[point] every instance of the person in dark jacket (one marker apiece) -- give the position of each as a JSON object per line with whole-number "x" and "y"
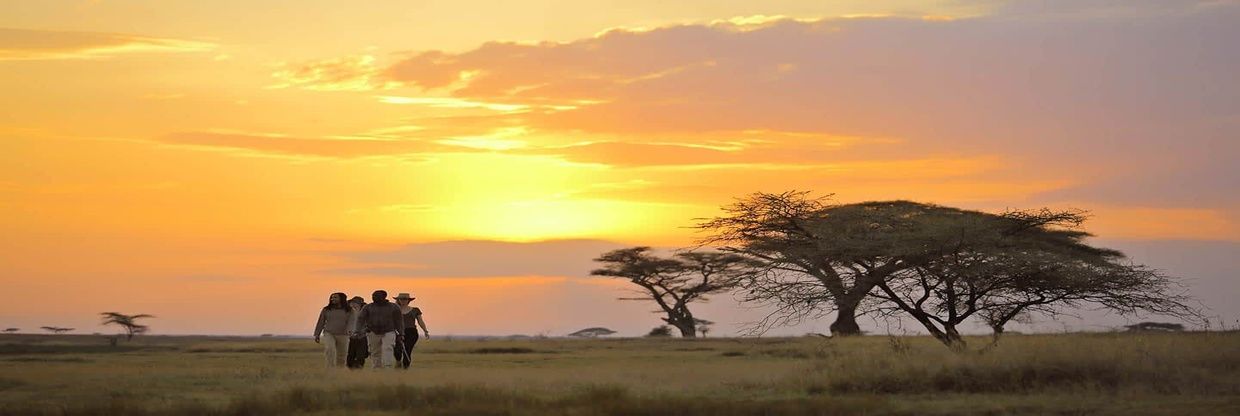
{"x": 333, "y": 325}
{"x": 380, "y": 322}
{"x": 411, "y": 317}
{"x": 357, "y": 338}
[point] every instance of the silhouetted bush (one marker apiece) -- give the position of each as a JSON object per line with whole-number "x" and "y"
{"x": 661, "y": 331}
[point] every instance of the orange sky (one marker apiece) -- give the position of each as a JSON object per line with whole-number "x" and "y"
{"x": 179, "y": 157}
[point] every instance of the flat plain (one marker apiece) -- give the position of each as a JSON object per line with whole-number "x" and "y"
{"x": 1069, "y": 374}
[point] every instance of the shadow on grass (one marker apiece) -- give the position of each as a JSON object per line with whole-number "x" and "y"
{"x": 472, "y": 400}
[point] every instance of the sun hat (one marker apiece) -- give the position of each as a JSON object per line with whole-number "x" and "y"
{"x": 403, "y": 296}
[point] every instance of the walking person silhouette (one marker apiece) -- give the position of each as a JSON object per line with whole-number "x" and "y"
{"x": 381, "y": 321}
{"x": 411, "y": 318}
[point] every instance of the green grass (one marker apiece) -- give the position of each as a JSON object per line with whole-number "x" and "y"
{"x": 1171, "y": 374}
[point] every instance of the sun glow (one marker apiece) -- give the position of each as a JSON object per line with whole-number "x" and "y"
{"x": 511, "y": 198}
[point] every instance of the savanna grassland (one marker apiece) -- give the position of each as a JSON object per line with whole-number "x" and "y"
{"x": 1113, "y": 374}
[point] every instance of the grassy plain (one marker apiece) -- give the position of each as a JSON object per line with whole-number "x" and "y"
{"x": 1112, "y": 374}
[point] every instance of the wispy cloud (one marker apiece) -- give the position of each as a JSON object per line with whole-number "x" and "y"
{"x": 478, "y": 258}
{"x": 285, "y": 145}
{"x": 349, "y": 73}
{"x": 449, "y": 102}
{"x": 25, "y": 44}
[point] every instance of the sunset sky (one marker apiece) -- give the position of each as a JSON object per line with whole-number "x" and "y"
{"x": 225, "y": 165}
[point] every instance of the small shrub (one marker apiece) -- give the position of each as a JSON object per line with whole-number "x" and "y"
{"x": 786, "y": 353}
{"x": 899, "y": 345}
{"x": 694, "y": 349}
{"x": 600, "y": 393}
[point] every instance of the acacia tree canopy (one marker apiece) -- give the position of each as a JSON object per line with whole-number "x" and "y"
{"x": 128, "y": 322}
{"x": 594, "y": 332}
{"x": 55, "y": 329}
{"x": 821, "y": 257}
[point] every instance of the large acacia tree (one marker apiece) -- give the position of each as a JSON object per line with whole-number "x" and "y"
{"x": 677, "y": 281}
{"x": 819, "y": 257}
{"x": 921, "y": 259}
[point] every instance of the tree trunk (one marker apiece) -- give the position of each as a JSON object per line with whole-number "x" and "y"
{"x": 951, "y": 338}
{"x": 845, "y": 319}
{"x": 687, "y": 329}
{"x": 994, "y": 337}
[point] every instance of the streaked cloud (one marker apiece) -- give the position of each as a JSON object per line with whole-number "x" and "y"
{"x": 26, "y": 44}
{"x": 279, "y": 144}
{"x": 479, "y": 258}
{"x": 792, "y": 150}
{"x": 1169, "y": 223}
{"x": 448, "y": 102}
{"x": 714, "y": 148}
{"x": 349, "y": 73}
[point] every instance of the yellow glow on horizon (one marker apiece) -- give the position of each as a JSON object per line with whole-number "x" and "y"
{"x": 510, "y": 198}
{"x": 539, "y": 220}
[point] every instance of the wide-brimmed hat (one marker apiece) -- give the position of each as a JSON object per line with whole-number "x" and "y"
{"x": 403, "y": 296}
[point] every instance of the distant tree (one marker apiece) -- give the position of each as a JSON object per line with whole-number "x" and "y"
{"x": 592, "y": 332}
{"x": 127, "y": 322}
{"x": 55, "y": 329}
{"x": 703, "y": 327}
{"x": 12, "y": 329}
{"x": 997, "y": 317}
{"x": 661, "y": 331}
{"x": 674, "y": 283}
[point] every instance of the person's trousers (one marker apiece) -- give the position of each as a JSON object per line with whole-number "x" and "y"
{"x": 381, "y": 354}
{"x": 335, "y": 349}
{"x": 411, "y": 339}
{"x": 357, "y": 352}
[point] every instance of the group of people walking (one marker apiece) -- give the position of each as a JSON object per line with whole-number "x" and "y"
{"x": 352, "y": 330}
